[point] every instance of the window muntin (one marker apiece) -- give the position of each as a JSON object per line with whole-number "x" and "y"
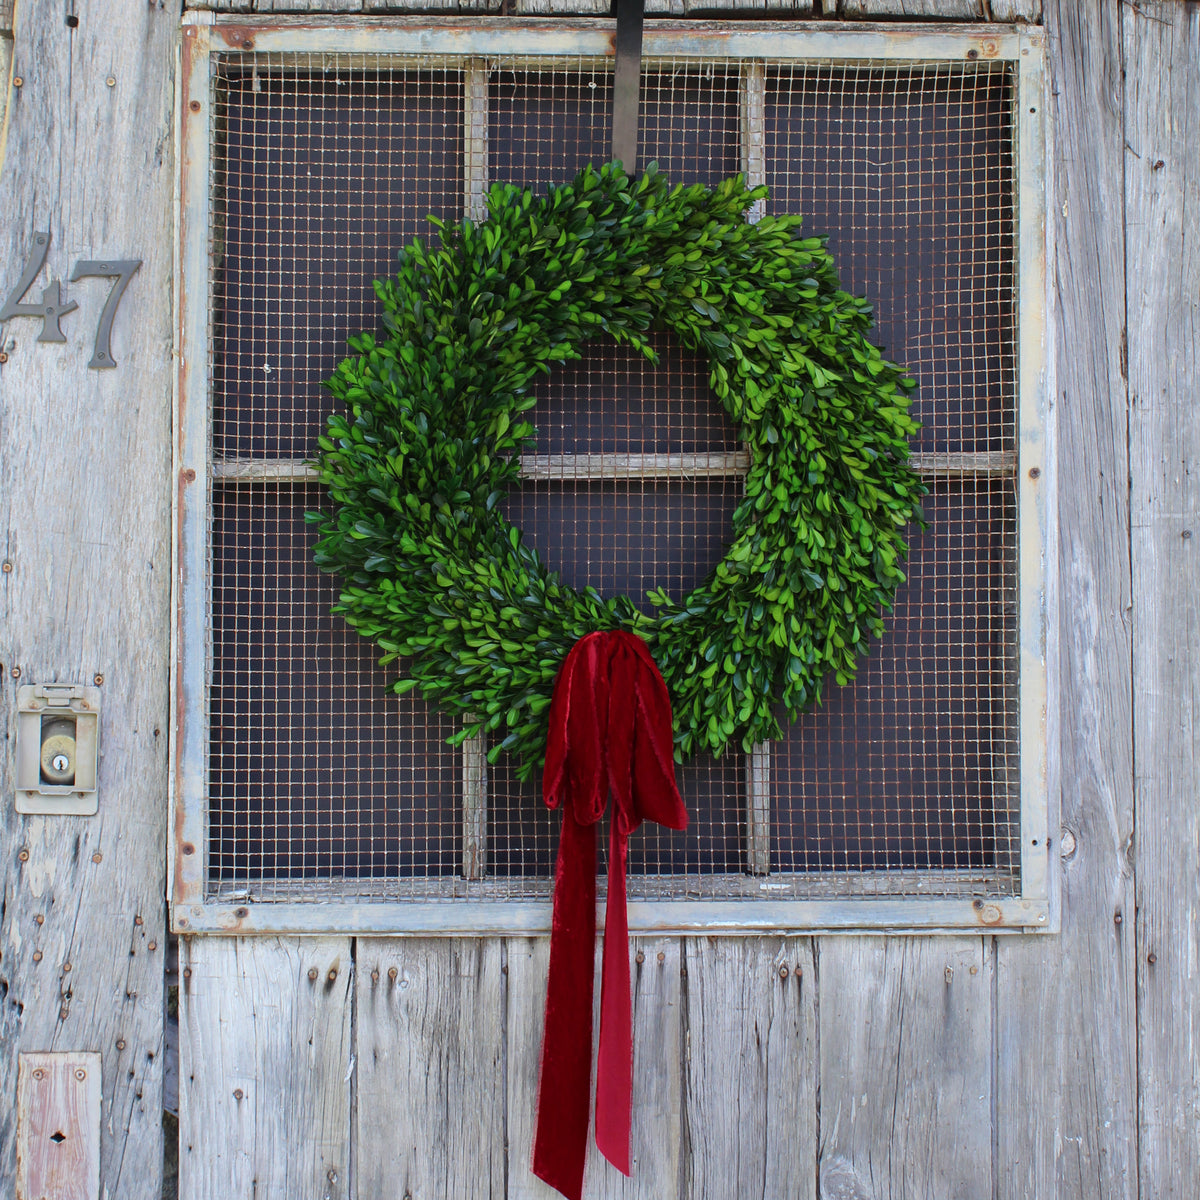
{"x": 907, "y": 782}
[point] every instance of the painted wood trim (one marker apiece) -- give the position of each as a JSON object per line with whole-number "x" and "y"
{"x": 1035, "y": 473}
{"x": 663, "y": 40}
{"x": 528, "y": 918}
{"x": 189, "y": 747}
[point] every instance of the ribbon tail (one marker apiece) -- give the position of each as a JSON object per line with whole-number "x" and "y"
{"x": 614, "y": 1059}
{"x": 560, "y": 1144}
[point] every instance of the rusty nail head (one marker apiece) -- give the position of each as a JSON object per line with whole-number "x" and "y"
{"x": 1152, "y": 958}
{"x": 152, "y": 946}
{"x": 137, "y": 920}
{"x": 1034, "y": 472}
{"x": 38, "y": 1073}
{"x": 241, "y": 912}
{"x": 783, "y": 971}
{"x": 16, "y": 672}
{"x": 640, "y": 957}
{"x": 238, "y": 1093}
{"x": 80, "y": 1074}
{"x": 23, "y": 854}
{"x": 183, "y": 924}
{"x": 4, "y": 359}
{"x": 66, "y": 966}
{"x": 37, "y": 956}
{"x": 972, "y": 53}
{"x": 188, "y": 848}
{"x": 332, "y": 974}
{"x": 248, "y": 44}
{"x": 98, "y": 680}
{"x": 39, "y": 919}
{"x": 374, "y": 976}
{"x": 18, "y": 81}
{"x": 7, "y": 564}
{"x": 1187, "y": 533}
{"x": 187, "y": 971}
{"x": 1117, "y": 917}
{"x": 120, "y": 1043}
{"x": 312, "y": 974}
{"x": 392, "y": 973}
{"x": 194, "y": 106}
{"x": 662, "y": 956}
{"x": 111, "y": 81}
{"x": 97, "y": 857}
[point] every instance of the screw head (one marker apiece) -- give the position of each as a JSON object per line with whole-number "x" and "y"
{"x": 18, "y": 81}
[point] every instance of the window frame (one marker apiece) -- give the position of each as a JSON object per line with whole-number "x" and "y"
{"x": 193, "y": 910}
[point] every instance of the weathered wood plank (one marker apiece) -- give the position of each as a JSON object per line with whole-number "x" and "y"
{"x": 1065, "y": 1069}
{"x": 429, "y": 1049}
{"x": 264, "y": 1101}
{"x": 1162, "y": 198}
{"x": 906, "y": 1050}
{"x": 58, "y": 1126}
{"x": 940, "y": 10}
{"x": 300, "y": 6}
{"x": 1027, "y": 11}
{"x": 714, "y": 463}
{"x": 85, "y": 539}
{"x": 657, "y": 1129}
{"x": 750, "y": 1069}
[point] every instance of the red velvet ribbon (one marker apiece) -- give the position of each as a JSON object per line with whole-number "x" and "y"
{"x": 610, "y": 732}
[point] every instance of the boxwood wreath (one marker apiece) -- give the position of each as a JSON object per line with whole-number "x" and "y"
{"x": 428, "y": 444}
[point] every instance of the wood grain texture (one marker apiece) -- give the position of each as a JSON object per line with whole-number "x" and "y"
{"x": 300, "y": 6}
{"x": 1162, "y": 197}
{"x": 58, "y": 1126}
{"x": 85, "y": 525}
{"x": 1026, "y": 11}
{"x": 938, "y": 10}
{"x": 1066, "y": 1056}
{"x": 265, "y": 1068}
{"x": 657, "y": 1118}
{"x": 750, "y": 1069}
{"x": 430, "y": 1060}
{"x": 905, "y": 1061}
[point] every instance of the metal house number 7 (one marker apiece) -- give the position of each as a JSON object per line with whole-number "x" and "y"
{"x": 53, "y": 307}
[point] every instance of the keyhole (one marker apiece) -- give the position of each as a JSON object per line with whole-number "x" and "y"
{"x": 58, "y": 1138}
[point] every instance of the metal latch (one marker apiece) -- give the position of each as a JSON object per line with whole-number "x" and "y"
{"x": 58, "y": 727}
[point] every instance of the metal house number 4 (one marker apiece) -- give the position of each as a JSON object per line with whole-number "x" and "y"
{"x": 53, "y": 307}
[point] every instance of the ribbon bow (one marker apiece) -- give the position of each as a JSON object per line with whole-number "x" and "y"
{"x": 610, "y": 732}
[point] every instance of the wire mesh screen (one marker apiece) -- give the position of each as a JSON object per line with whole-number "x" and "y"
{"x": 324, "y": 783}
